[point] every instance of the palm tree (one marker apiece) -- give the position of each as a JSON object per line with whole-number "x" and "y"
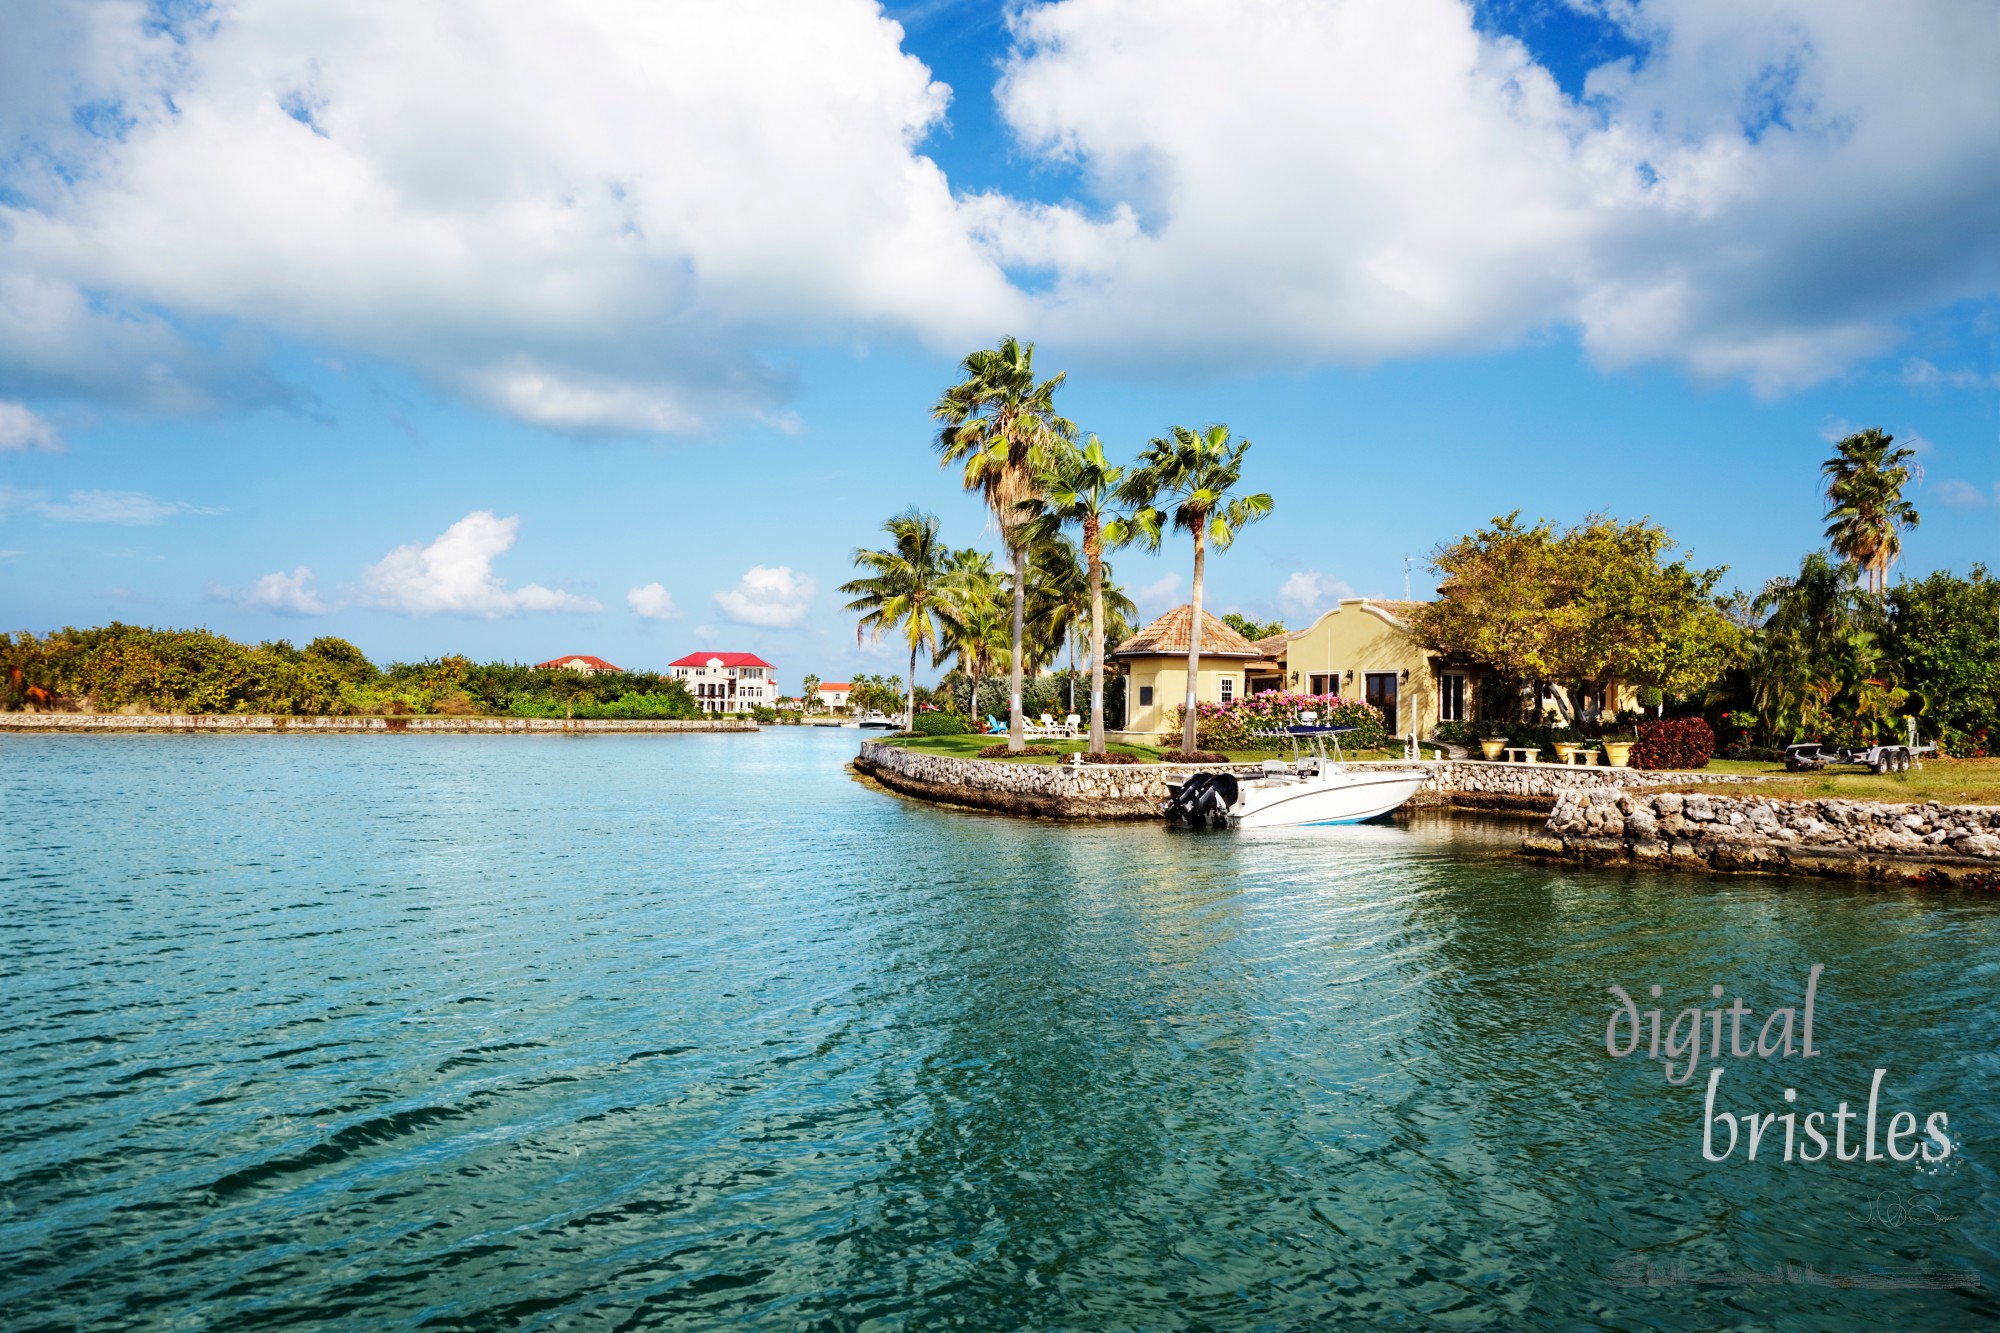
{"x": 1080, "y": 490}
{"x": 1192, "y": 472}
{"x": 1865, "y": 504}
{"x": 975, "y": 623}
{"x": 903, "y": 587}
{"x": 1003, "y": 427}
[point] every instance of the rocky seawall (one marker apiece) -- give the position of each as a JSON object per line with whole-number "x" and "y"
{"x": 264, "y": 724}
{"x": 1929, "y": 843}
{"x": 1136, "y": 791}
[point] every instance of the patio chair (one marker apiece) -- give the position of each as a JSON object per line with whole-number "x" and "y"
{"x": 994, "y": 726}
{"x": 1072, "y": 725}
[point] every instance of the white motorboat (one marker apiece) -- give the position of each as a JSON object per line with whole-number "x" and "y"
{"x": 1310, "y": 788}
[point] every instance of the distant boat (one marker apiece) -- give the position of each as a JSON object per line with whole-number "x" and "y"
{"x": 874, "y": 721}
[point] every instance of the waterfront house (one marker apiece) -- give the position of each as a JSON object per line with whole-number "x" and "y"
{"x": 834, "y": 694}
{"x": 727, "y": 682}
{"x": 1154, "y": 664}
{"x": 582, "y": 663}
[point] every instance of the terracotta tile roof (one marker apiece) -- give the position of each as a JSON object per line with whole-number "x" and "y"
{"x": 1169, "y": 634}
{"x": 1401, "y": 610}
{"x": 593, "y": 663}
{"x": 1273, "y": 645}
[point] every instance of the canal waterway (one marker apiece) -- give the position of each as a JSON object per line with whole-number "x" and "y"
{"x": 626, "y": 1032}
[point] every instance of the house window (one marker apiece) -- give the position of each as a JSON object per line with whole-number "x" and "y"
{"x": 1325, "y": 684}
{"x": 1228, "y": 688}
{"x": 1145, "y": 696}
{"x": 1451, "y": 698}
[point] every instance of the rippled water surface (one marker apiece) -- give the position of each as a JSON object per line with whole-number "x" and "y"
{"x": 633, "y": 1031}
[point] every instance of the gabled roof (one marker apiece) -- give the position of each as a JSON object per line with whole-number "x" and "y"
{"x": 720, "y": 659}
{"x": 1169, "y": 635}
{"x": 594, "y": 663}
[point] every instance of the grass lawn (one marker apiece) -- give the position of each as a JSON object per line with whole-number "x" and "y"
{"x": 968, "y": 747}
{"x": 1953, "y": 781}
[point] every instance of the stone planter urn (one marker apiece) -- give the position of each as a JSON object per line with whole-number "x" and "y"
{"x": 1492, "y": 749}
{"x": 1618, "y": 754}
{"x": 1566, "y": 751}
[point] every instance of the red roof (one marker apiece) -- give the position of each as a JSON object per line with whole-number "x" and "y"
{"x": 725, "y": 659}
{"x": 835, "y": 685}
{"x": 595, "y": 663}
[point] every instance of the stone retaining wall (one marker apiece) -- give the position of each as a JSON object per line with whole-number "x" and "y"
{"x": 240, "y": 723}
{"x": 1136, "y": 791}
{"x": 1929, "y": 843}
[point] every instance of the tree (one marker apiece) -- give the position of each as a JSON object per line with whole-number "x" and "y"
{"x": 1193, "y": 473}
{"x": 1080, "y": 490}
{"x": 975, "y": 626}
{"x": 903, "y": 587}
{"x": 1819, "y": 669}
{"x": 1002, "y": 426}
{"x": 1944, "y": 632}
{"x": 1577, "y": 607}
{"x": 808, "y": 693}
{"x": 1251, "y": 629}
{"x": 1866, "y": 510}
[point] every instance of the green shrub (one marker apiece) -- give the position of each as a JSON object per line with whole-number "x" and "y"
{"x": 944, "y": 723}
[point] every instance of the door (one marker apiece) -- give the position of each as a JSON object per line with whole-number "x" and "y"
{"x": 1382, "y": 694}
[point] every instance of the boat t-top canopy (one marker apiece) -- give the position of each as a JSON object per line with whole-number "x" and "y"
{"x": 1318, "y": 731}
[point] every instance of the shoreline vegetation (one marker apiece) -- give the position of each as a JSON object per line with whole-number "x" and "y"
{"x": 137, "y": 670}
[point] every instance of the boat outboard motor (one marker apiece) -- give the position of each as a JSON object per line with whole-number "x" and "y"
{"x": 1203, "y": 801}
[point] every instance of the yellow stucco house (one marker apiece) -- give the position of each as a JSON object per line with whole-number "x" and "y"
{"x": 1154, "y": 664}
{"x": 1361, "y": 648}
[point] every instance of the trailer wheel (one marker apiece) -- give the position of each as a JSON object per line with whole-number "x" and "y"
{"x": 1902, "y": 759}
{"x": 1882, "y": 762}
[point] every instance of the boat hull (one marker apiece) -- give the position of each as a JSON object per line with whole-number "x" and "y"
{"x": 1346, "y": 798}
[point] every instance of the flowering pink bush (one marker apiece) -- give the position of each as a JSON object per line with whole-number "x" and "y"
{"x": 1233, "y": 726}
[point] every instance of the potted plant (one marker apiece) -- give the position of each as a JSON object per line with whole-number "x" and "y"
{"x": 1491, "y": 748}
{"x": 1618, "y": 750}
{"x": 1566, "y": 751}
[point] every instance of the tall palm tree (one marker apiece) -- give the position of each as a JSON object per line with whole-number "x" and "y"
{"x": 902, "y": 586}
{"x": 1865, "y": 505}
{"x": 975, "y": 621}
{"x": 1080, "y": 490}
{"x": 1003, "y": 427}
{"x": 1188, "y": 478}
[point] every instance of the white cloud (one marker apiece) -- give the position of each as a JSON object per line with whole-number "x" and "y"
{"x": 23, "y": 429}
{"x": 454, "y": 575}
{"x": 1921, "y": 374}
{"x": 653, "y": 602}
{"x": 1161, "y": 592}
{"x": 1964, "y": 495}
{"x": 289, "y": 594}
{"x": 771, "y": 596}
{"x": 1308, "y": 591}
{"x": 590, "y": 216}
{"x": 130, "y": 508}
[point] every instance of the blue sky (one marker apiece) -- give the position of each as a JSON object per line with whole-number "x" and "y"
{"x": 305, "y": 328}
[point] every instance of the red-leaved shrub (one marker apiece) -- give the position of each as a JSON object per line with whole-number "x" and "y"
{"x": 1676, "y": 742}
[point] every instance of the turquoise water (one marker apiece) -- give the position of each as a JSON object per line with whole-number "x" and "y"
{"x": 685, "y": 1032}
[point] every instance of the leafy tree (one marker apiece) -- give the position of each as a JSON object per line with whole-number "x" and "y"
{"x": 1002, "y": 426}
{"x": 975, "y": 628}
{"x": 1944, "y": 632}
{"x": 809, "y": 693}
{"x": 1080, "y": 490}
{"x": 1578, "y": 606}
{"x": 1251, "y": 629}
{"x": 904, "y": 585}
{"x": 342, "y": 658}
{"x": 1191, "y": 474}
{"x": 1866, "y": 511}
{"x": 1819, "y": 670}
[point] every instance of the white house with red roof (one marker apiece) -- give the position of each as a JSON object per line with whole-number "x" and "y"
{"x": 581, "y": 662}
{"x": 727, "y": 682}
{"x": 834, "y": 693}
